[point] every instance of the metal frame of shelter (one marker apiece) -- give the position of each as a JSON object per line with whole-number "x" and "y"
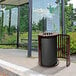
{"x": 18, "y": 3}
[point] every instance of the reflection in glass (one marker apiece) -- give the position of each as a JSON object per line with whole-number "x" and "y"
{"x": 49, "y": 11}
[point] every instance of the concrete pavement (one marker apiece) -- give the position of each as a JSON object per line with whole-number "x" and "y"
{"x": 16, "y": 61}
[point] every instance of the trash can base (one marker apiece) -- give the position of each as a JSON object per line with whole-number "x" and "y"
{"x": 53, "y": 65}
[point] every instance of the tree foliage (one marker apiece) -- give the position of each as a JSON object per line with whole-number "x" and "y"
{"x": 34, "y": 26}
{"x": 68, "y": 17}
{"x": 41, "y": 24}
{"x": 66, "y": 1}
{"x": 24, "y": 18}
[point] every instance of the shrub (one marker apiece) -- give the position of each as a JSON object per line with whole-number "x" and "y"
{"x": 72, "y": 42}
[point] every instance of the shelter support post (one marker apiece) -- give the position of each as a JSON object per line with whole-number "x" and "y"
{"x": 18, "y": 25}
{"x": 63, "y": 20}
{"x": 9, "y": 32}
{"x": 30, "y": 29}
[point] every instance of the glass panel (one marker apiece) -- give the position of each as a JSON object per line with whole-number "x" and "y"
{"x": 49, "y": 11}
{"x": 23, "y": 37}
{"x": 8, "y": 26}
{"x": 0, "y": 26}
{"x": 46, "y": 18}
{"x": 14, "y": 16}
{"x": 8, "y": 29}
{"x": 53, "y": 17}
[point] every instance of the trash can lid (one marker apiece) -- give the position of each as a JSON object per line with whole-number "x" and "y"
{"x": 45, "y": 34}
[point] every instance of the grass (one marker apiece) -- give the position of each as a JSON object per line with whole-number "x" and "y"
{"x": 25, "y": 35}
{"x": 7, "y": 47}
{"x": 12, "y": 39}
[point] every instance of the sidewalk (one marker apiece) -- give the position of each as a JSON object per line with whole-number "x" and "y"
{"x": 16, "y": 61}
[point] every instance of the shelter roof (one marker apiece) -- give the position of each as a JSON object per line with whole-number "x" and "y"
{"x": 13, "y": 2}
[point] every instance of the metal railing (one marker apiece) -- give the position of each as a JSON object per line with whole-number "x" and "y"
{"x": 34, "y": 43}
{"x": 63, "y": 47}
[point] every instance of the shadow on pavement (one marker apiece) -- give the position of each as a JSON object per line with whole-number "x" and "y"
{"x": 48, "y": 71}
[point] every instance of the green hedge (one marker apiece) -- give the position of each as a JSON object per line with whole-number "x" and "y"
{"x": 72, "y": 42}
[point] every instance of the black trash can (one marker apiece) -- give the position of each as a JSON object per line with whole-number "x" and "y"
{"x": 47, "y": 49}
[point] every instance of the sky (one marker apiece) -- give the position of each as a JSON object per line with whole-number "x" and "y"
{"x": 13, "y": 17}
{"x": 40, "y": 9}
{"x": 73, "y": 2}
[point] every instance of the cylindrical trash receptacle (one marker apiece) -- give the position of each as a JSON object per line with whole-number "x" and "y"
{"x": 47, "y": 49}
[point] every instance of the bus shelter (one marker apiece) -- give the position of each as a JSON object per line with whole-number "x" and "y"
{"x": 19, "y": 3}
